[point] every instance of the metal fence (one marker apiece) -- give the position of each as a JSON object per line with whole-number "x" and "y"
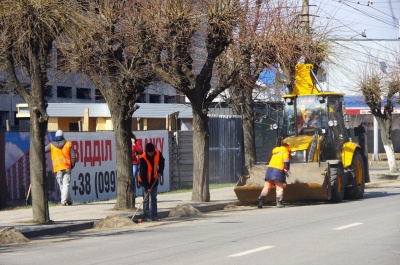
{"x": 225, "y": 152}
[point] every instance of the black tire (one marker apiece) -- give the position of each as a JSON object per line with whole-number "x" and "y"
{"x": 337, "y": 185}
{"x": 356, "y": 177}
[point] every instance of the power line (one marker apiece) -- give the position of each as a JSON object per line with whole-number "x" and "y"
{"x": 367, "y": 13}
{"x": 382, "y": 12}
{"x": 347, "y": 11}
{"x": 348, "y": 21}
{"x": 373, "y": 16}
{"x": 374, "y": 2}
{"x": 367, "y": 53}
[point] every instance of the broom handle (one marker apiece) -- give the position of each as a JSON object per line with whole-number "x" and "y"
{"x": 143, "y": 201}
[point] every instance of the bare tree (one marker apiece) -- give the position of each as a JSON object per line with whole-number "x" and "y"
{"x": 255, "y": 48}
{"x": 189, "y": 35}
{"x": 379, "y": 91}
{"x": 269, "y": 36}
{"x": 28, "y": 29}
{"x": 114, "y": 55}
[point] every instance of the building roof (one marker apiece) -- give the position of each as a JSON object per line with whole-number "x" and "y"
{"x": 357, "y": 105}
{"x": 359, "y": 102}
{"x": 146, "y": 110}
{"x": 160, "y": 110}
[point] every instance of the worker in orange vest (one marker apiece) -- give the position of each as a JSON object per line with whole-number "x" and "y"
{"x": 276, "y": 174}
{"x": 63, "y": 159}
{"x": 151, "y": 168}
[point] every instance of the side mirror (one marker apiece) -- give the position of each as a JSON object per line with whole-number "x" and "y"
{"x": 289, "y": 101}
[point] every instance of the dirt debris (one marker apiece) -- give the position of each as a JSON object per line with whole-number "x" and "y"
{"x": 12, "y": 236}
{"x": 185, "y": 210}
{"x": 233, "y": 207}
{"x": 113, "y": 221}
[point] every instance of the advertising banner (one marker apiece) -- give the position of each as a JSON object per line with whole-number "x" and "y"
{"x": 94, "y": 176}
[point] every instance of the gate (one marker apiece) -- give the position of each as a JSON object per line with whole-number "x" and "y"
{"x": 225, "y": 152}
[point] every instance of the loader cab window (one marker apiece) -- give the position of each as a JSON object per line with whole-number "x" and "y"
{"x": 306, "y": 115}
{"x": 288, "y": 121}
{"x": 311, "y": 115}
{"x": 336, "y": 114}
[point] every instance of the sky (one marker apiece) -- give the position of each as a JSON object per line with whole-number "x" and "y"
{"x": 350, "y": 18}
{"x": 365, "y": 34}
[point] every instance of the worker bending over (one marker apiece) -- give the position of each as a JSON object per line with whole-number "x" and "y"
{"x": 278, "y": 166}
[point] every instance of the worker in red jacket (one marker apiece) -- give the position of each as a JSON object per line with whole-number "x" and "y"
{"x": 137, "y": 150}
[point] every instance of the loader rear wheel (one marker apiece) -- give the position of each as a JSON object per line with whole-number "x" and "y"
{"x": 357, "y": 178}
{"x": 337, "y": 186}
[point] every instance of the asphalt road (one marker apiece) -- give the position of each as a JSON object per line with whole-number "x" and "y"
{"x": 364, "y": 232}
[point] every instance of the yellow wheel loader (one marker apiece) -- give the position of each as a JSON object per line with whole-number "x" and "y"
{"x": 325, "y": 164}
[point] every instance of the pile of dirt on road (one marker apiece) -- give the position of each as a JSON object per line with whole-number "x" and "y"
{"x": 114, "y": 221}
{"x": 11, "y": 236}
{"x": 185, "y": 210}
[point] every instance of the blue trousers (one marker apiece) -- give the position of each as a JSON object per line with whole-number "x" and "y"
{"x": 135, "y": 169}
{"x": 150, "y": 213}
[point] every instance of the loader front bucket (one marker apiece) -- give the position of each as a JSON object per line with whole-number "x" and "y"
{"x": 306, "y": 182}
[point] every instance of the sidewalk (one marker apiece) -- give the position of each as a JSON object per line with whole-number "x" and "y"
{"x": 82, "y": 216}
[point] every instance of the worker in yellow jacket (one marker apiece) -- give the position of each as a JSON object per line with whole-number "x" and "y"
{"x": 278, "y": 166}
{"x": 63, "y": 158}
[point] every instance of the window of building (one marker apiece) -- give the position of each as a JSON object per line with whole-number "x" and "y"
{"x": 16, "y": 120}
{"x": 98, "y": 96}
{"x": 74, "y": 127}
{"x": 64, "y": 92}
{"x": 155, "y": 98}
{"x": 3, "y": 118}
{"x": 83, "y": 93}
{"x": 169, "y": 99}
{"x": 142, "y": 99}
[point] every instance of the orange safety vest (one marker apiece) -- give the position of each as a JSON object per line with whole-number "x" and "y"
{"x": 61, "y": 158}
{"x": 280, "y": 155}
{"x": 149, "y": 168}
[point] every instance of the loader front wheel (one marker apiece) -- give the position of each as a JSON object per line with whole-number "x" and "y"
{"x": 337, "y": 186}
{"x": 357, "y": 178}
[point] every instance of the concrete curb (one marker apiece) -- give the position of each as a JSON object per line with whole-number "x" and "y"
{"x": 58, "y": 228}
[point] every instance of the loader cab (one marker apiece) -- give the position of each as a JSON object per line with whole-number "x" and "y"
{"x": 302, "y": 115}
{"x": 321, "y": 113}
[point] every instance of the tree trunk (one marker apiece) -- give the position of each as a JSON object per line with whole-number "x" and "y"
{"x": 385, "y": 126}
{"x": 201, "y": 190}
{"x": 122, "y": 131}
{"x": 38, "y": 128}
{"x": 248, "y": 131}
{"x": 37, "y": 168}
{"x": 243, "y": 104}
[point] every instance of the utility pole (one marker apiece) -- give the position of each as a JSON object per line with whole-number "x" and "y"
{"x": 305, "y": 16}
